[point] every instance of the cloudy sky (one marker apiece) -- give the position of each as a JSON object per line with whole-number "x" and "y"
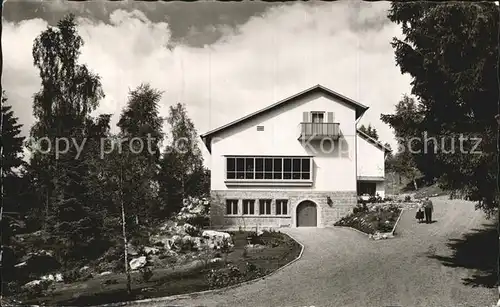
{"x": 223, "y": 60}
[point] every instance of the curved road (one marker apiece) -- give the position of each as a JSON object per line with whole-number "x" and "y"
{"x": 341, "y": 267}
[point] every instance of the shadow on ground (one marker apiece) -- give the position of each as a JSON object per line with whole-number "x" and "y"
{"x": 477, "y": 251}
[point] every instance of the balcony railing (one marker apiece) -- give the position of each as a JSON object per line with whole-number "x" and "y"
{"x": 317, "y": 131}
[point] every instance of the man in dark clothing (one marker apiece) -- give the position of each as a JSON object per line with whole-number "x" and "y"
{"x": 428, "y": 208}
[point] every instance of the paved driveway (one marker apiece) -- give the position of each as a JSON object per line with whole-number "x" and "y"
{"x": 341, "y": 267}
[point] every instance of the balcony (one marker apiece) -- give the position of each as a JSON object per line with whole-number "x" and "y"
{"x": 319, "y": 131}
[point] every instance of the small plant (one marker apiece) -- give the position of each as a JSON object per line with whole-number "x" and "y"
{"x": 146, "y": 273}
{"x": 407, "y": 198}
{"x": 226, "y": 276}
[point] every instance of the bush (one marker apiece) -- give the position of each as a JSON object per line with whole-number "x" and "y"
{"x": 37, "y": 290}
{"x": 146, "y": 273}
{"x": 360, "y": 208}
{"x": 218, "y": 278}
{"x": 254, "y": 238}
{"x": 187, "y": 246}
{"x": 407, "y": 198}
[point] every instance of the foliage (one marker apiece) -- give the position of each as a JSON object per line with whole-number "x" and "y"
{"x": 229, "y": 275}
{"x": 358, "y": 208}
{"x": 194, "y": 211}
{"x": 146, "y": 273}
{"x": 182, "y": 172}
{"x": 457, "y": 91}
{"x": 13, "y": 194}
{"x": 381, "y": 219}
{"x": 370, "y": 131}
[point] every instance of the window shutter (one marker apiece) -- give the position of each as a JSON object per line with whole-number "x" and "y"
{"x": 305, "y": 117}
{"x": 331, "y": 117}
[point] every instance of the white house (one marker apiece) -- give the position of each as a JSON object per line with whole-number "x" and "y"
{"x": 298, "y": 162}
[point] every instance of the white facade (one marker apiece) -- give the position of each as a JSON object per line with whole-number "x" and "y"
{"x": 332, "y": 171}
{"x": 370, "y": 158}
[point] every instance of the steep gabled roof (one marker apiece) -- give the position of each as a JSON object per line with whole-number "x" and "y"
{"x": 373, "y": 141}
{"x": 360, "y": 109}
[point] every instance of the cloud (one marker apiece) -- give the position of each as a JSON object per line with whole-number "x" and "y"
{"x": 343, "y": 45}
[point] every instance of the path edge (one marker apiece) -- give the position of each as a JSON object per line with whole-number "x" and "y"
{"x": 213, "y": 291}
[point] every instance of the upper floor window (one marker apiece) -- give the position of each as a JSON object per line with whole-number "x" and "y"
{"x": 269, "y": 168}
{"x": 317, "y": 117}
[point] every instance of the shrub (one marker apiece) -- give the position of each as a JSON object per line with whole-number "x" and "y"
{"x": 39, "y": 289}
{"x": 407, "y": 198}
{"x": 187, "y": 246}
{"x": 146, "y": 273}
{"x": 254, "y": 238}
{"x": 229, "y": 275}
{"x": 71, "y": 275}
{"x": 360, "y": 208}
{"x": 194, "y": 211}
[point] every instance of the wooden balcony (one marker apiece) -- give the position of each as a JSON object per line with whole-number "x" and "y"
{"x": 319, "y": 131}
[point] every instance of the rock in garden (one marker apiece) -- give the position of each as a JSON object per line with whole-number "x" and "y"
{"x": 214, "y": 260}
{"x": 151, "y": 250}
{"x": 105, "y": 273}
{"x": 215, "y": 234}
{"x": 84, "y": 268}
{"x": 138, "y": 263}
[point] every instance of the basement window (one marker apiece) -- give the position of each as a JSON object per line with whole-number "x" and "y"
{"x": 260, "y": 128}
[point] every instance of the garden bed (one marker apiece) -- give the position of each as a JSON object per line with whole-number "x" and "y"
{"x": 268, "y": 252}
{"x": 372, "y": 219}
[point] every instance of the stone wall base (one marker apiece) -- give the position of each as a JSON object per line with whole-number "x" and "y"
{"x": 328, "y": 211}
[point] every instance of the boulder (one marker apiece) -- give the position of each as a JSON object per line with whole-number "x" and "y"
{"x": 151, "y": 250}
{"x": 51, "y": 277}
{"x": 214, "y": 260}
{"x": 105, "y": 273}
{"x": 212, "y": 234}
{"x": 132, "y": 251}
{"x": 84, "y": 268}
{"x": 138, "y": 263}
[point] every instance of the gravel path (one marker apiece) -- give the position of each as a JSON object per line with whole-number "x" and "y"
{"x": 341, "y": 267}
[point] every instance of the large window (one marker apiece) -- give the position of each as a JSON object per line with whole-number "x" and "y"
{"x": 231, "y": 206}
{"x": 269, "y": 168}
{"x": 281, "y": 207}
{"x": 264, "y": 206}
{"x": 248, "y": 206}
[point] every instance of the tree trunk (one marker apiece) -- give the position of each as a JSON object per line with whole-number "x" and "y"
{"x": 124, "y": 234}
{"x": 415, "y": 184}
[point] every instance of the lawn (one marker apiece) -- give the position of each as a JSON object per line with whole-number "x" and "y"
{"x": 267, "y": 253}
{"x": 370, "y": 220}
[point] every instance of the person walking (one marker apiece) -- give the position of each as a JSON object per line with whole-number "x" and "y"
{"x": 428, "y": 209}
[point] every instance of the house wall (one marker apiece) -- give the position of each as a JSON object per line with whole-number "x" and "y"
{"x": 334, "y": 168}
{"x": 371, "y": 159}
{"x": 327, "y": 214}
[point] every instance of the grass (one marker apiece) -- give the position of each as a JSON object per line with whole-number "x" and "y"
{"x": 371, "y": 221}
{"x": 179, "y": 280}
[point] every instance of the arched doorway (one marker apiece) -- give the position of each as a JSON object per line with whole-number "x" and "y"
{"x": 306, "y": 214}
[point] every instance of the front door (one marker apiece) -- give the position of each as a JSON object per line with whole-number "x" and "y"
{"x": 306, "y": 214}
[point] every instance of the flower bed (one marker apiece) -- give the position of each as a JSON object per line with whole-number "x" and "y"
{"x": 379, "y": 218}
{"x": 266, "y": 252}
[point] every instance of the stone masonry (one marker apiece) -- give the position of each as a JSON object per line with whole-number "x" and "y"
{"x": 341, "y": 204}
